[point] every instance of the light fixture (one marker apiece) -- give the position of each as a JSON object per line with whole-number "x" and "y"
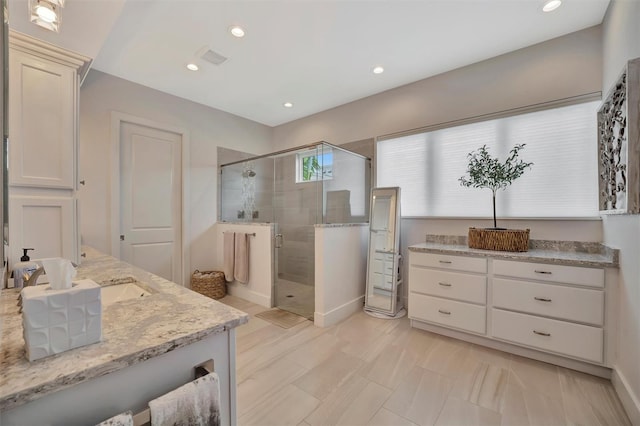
{"x": 46, "y": 13}
{"x": 237, "y": 31}
{"x": 287, "y": 105}
{"x": 378, "y": 70}
{"x": 192, "y": 67}
{"x": 551, "y": 5}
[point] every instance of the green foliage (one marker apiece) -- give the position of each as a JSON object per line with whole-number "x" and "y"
{"x": 485, "y": 171}
{"x": 310, "y": 167}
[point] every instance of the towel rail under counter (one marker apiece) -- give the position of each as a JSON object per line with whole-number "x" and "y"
{"x": 143, "y": 418}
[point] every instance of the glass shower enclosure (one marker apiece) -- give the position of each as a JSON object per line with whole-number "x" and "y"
{"x": 295, "y": 190}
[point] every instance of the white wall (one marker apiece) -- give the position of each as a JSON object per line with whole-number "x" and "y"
{"x": 559, "y": 68}
{"x": 340, "y": 274}
{"x": 208, "y": 128}
{"x": 621, "y": 42}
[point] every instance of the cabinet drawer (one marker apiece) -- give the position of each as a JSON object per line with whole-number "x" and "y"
{"x": 579, "y": 341}
{"x": 460, "y": 263}
{"x": 574, "y": 304}
{"x": 454, "y": 285}
{"x": 449, "y": 313}
{"x": 591, "y": 277}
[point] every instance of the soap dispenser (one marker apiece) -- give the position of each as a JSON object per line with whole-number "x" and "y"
{"x": 25, "y": 266}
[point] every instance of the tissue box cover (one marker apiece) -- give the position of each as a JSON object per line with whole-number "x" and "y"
{"x": 55, "y": 321}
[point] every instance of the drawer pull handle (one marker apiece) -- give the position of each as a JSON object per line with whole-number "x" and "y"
{"x": 542, "y": 272}
{"x": 444, "y": 312}
{"x": 445, "y": 284}
{"x": 446, "y": 262}
{"x": 541, "y": 333}
{"x": 542, "y": 299}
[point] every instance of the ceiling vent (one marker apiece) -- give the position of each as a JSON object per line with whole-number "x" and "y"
{"x": 213, "y": 57}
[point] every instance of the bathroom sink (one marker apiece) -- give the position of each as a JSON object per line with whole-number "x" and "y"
{"x": 120, "y": 292}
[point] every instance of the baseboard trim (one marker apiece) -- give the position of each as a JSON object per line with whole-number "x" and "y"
{"x": 629, "y": 399}
{"x": 241, "y": 291}
{"x": 338, "y": 314}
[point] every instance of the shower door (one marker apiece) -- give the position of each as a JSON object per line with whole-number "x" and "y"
{"x": 297, "y": 208}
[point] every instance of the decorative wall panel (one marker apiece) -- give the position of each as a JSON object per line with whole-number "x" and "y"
{"x": 619, "y": 144}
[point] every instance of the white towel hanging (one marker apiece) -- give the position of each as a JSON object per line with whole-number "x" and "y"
{"x": 197, "y": 403}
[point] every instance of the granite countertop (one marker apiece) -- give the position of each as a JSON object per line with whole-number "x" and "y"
{"x": 132, "y": 331}
{"x": 572, "y": 253}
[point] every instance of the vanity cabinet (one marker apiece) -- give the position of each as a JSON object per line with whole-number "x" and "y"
{"x": 43, "y": 121}
{"x": 448, "y": 290}
{"x": 564, "y": 314}
{"x": 552, "y": 312}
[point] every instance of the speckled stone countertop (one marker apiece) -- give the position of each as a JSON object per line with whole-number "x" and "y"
{"x": 133, "y": 331}
{"x": 572, "y": 253}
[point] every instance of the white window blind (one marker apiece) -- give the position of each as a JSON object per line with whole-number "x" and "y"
{"x": 563, "y": 181}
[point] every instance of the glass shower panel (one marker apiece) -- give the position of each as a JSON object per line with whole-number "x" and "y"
{"x": 346, "y": 191}
{"x": 297, "y": 208}
{"x": 296, "y": 189}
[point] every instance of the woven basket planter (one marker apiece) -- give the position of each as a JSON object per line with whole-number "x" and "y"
{"x": 209, "y": 283}
{"x": 499, "y": 239}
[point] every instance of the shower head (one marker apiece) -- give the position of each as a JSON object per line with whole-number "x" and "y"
{"x": 248, "y": 173}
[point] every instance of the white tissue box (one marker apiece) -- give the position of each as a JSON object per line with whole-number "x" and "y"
{"x": 55, "y": 321}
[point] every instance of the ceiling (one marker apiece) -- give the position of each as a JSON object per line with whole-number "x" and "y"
{"x": 317, "y": 54}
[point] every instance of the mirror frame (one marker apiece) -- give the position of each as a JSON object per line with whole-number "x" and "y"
{"x": 394, "y": 227}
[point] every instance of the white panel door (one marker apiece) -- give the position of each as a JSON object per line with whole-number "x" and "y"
{"x": 42, "y": 119}
{"x": 151, "y": 199}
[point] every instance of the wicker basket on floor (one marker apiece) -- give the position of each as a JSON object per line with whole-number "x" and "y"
{"x": 209, "y": 283}
{"x": 499, "y": 239}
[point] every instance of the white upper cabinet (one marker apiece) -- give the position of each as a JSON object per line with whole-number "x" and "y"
{"x": 44, "y": 82}
{"x": 43, "y": 110}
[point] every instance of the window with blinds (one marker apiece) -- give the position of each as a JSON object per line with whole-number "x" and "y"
{"x": 563, "y": 181}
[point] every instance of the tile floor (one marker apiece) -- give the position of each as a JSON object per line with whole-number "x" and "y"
{"x": 369, "y": 371}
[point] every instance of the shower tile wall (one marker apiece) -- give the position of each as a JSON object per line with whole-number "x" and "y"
{"x": 231, "y": 183}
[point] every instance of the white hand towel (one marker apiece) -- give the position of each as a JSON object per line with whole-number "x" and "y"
{"x": 241, "y": 269}
{"x": 123, "y": 419}
{"x": 229, "y": 255}
{"x": 195, "y": 404}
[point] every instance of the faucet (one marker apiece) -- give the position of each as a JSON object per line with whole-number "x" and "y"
{"x": 29, "y": 279}
{"x": 33, "y": 278}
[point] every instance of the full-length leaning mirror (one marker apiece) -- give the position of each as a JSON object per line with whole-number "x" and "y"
{"x": 383, "y": 262}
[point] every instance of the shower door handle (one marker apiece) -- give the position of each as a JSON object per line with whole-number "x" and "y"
{"x": 279, "y": 240}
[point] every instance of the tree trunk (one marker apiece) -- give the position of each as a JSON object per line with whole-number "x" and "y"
{"x": 494, "y": 210}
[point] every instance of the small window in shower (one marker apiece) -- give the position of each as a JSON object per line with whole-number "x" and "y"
{"x": 314, "y": 165}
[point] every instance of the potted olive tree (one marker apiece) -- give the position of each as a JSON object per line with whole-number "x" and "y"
{"x": 485, "y": 171}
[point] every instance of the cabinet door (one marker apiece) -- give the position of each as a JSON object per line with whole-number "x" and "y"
{"x": 42, "y": 105}
{"x": 45, "y": 224}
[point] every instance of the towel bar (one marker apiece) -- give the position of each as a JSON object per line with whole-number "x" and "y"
{"x": 251, "y": 234}
{"x": 143, "y": 418}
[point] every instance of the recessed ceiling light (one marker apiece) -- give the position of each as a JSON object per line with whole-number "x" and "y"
{"x": 236, "y": 31}
{"x": 378, "y": 70}
{"x": 45, "y": 13}
{"x": 192, "y": 67}
{"x": 550, "y": 5}
{"x": 287, "y": 105}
